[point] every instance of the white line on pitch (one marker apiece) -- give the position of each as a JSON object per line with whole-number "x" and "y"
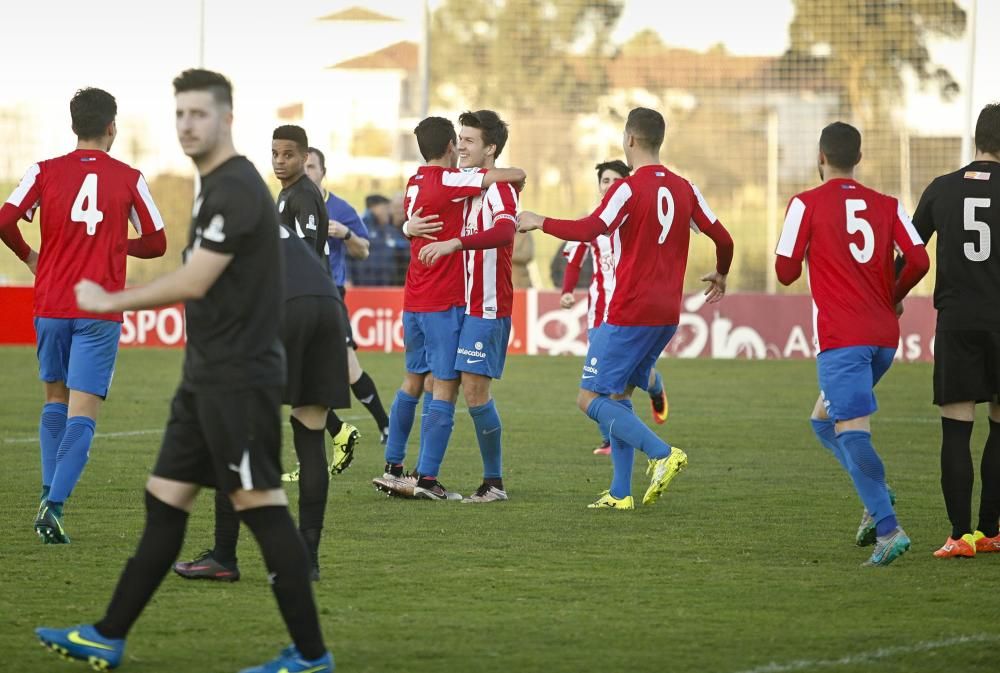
{"x": 874, "y": 655}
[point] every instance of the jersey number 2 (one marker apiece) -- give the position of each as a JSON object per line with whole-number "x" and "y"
{"x": 664, "y": 211}
{"x": 970, "y": 223}
{"x": 857, "y": 224}
{"x": 85, "y": 205}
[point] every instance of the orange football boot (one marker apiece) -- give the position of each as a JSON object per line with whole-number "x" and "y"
{"x": 986, "y": 545}
{"x": 964, "y": 547}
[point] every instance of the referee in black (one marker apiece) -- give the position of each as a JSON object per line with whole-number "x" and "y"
{"x": 963, "y": 208}
{"x": 224, "y": 429}
{"x": 302, "y": 209}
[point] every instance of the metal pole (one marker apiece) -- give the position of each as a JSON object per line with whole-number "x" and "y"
{"x": 967, "y": 128}
{"x": 772, "y": 193}
{"x": 425, "y": 62}
{"x": 201, "y": 33}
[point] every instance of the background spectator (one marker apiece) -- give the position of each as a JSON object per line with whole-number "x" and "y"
{"x": 389, "y": 251}
{"x": 524, "y": 253}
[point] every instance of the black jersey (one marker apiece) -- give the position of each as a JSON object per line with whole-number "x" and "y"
{"x": 305, "y": 274}
{"x": 964, "y": 209}
{"x": 232, "y": 332}
{"x": 302, "y": 209}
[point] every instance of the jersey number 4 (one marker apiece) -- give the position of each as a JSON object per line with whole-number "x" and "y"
{"x": 85, "y": 205}
{"x": 973, "y": 252}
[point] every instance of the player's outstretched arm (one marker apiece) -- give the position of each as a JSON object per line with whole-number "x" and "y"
{"x": 511, "y": 175}
{"x": 422, "y": 226}
{"x": 191, "y": 281}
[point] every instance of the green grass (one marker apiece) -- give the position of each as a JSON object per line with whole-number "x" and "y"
{"x": 747, "y": 560}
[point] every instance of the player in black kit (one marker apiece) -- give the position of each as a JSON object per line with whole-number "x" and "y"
{"x": 224, "y": 429}
{"x": 963, "y": 208}
{"x": 301, "y": 208}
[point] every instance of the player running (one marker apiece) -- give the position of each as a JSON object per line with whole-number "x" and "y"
{"x": 964, "y": 209}
{"x": 302, "y": 210}
{"x": 433, "y": 309}
{"x": 847, "y": 233}
{"x": 602, "y": 288}
{"x": 224, "y": 429}
{"x": 87, "y": 200}
{"x": 488, "y": 242}
{"x": 649, "y": 216}
{"x": 348, "y": 237}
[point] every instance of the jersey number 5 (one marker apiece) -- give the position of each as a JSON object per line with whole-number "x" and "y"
{"x": 85, "y": 205}
{"x": 970, "y": 223}
{"x": 665, "y": 212}
{"x": 857, "y": 224}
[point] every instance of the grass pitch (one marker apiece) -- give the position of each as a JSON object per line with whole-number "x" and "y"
{"x": 746, "y": 563}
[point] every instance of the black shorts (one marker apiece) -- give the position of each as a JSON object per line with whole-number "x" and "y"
{"x": 314, "y": 337}
{"x": 224, "y": 439}
{"x": 966, "y": 366}
{"x": 347, "y": 320}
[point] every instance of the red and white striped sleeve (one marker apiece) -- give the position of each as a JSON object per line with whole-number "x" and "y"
{"x": 702, "y": 216}
{"x": 461, "y": 184}
{"x": 503, "y": 202}
{"x": 794, "y": 237}
{"x": 613, "y": 211}
{"x": 20, "y": 204}
{"x": 144, "y": 216}
{"x": 904, "y": 234}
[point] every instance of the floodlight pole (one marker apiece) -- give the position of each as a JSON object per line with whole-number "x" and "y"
{"x": 425, "y": 60}
{"x": 967, "y": 128}
{"x": 201, "y": 33}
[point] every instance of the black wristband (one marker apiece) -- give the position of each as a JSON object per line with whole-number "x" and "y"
{"x": 348, "y": 235}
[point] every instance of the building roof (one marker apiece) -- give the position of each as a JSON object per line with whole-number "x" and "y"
{"x": 358, "y": 14}
{"x": 399, "y": 56}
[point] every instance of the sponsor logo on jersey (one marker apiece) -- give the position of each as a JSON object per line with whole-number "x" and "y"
{"x": 311, "y": 222}
{"x": 591, "y": 368}
{"x": 472, "y": 354}
{"x": 281, "y": 206}
{"x": 976, "y": 175}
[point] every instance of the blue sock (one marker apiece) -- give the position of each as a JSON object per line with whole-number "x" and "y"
{"x": 74, "y": 450}
{"x": 657, "y": 388}
{"x": 51, "y": 428}
{"x": 401, "y": 414}
{"x": 622, "y": 460}
{"x": 488, "y": 432}
{"x": 425, "y": 409}
{"x": 826, "y": 432}
{"x": 625, "y": 426}
{"x": 435, "y": 435}
{"x": 605, "y": 437}
{"x": 886, "y": 525}
{"x": 867, "y": 472}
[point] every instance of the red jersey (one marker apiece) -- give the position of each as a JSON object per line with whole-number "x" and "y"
{"x": 87, "y": 200}
{"x": 439, "y": 191}
{"x": 602, "y": 283}
{"x": 847, "y": 233}
{"x": 650, "y": 216}
{"x": 489, "y": 286}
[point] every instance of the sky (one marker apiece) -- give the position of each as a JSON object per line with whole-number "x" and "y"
{"x": 272, "y": 51}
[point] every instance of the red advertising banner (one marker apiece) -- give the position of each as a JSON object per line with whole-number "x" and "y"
{"x": 750, "y": 326}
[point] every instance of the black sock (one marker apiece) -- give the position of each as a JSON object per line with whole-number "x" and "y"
{"x": 989, "y": 473}
{"x": 227, "y": 530}
{"x": 957, "y": 474}
{"x": 333, "y": 423}
{"x": 311, "y": 537}
{"x": 314, "y": 479}
{"x": 287, "y": 562}
{"x": 494, "y": 482}
{"x": 157, "y": 550}
{"x": 365, "y": 391}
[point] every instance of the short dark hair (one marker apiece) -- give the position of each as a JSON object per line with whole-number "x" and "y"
{"x": 988, "y": 129}
{"x": 320, "y": 156}
{"x": 433, "y": 135}
{"x": 616, "y": 165}
{"x": 493, "y": 128}
{"x": 647, "y": 126}
{"x": 196, "y": 79}
{"x": 91, "y": 111}
{"x": 841, "y": 143}
{"x": 296, "y": 134}
{"x": 373, "y": 200}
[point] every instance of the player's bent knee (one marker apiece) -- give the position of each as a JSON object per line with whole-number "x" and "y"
{"x": 252, "y": 499}
{"x": 584, "y": 399}
{"x": 313, "y": 416}
{"x": 177, "y": 494}
{"x": 476, "y": 389}
{"x": 414, "y": 384}
{"x": 963, "y": 411}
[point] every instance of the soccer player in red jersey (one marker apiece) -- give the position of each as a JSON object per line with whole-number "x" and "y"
{"x": 433, "y": 310}
{"x": 87, "y": 200}
{"x": 602, "y": 288}
{"x": 488, "y": 244}
{"x": 649, "y": 216}
{"x": 848, "y": 233}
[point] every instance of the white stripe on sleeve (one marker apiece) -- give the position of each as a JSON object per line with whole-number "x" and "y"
{"x": 618, "y": 200}
{"x": 462, "y": 179}
{"x": 27, "y": 182}
{"x": 790, "y": 230}
{"x": 147, "y": 199}
{"x": 911, "y": 231}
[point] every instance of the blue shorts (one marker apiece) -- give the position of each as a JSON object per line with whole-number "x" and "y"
{"x": 431, "y": 341}
{"x": 80, "y": 352}
{"x": 847, "y": 377}
{"x": 482, "y": 346}
{"x": 621, "y": 356}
